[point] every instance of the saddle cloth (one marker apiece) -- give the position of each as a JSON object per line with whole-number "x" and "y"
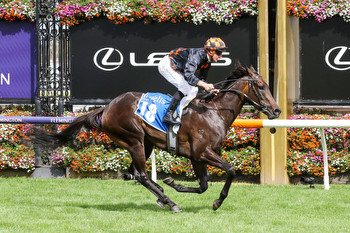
{"x": 152, "y": 108}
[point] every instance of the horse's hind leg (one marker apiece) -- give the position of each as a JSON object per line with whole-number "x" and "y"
{"x": 148, "y": 151}
{"x": 132, "y": 174}
{"x": 132, "y": 170}
{"x": 202, "y": 174}
{"x": 138, "y": 155}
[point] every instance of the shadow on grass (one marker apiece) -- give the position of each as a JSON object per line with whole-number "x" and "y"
{"x": 132, "y": 206}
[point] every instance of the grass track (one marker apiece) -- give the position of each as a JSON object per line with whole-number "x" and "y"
{"x": 92, "y": 205}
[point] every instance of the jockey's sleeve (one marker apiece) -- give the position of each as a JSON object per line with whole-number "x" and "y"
{"x": 189, "y": 72}
{"x": 203, "y": 72}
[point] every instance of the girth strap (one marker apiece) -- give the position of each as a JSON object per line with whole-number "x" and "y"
{"x": 172, "y": 143}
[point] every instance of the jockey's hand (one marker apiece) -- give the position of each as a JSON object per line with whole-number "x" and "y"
{"x": 212, "y": 89}
{"x": 208, "y": 87}
{"x": 216, "y": 91}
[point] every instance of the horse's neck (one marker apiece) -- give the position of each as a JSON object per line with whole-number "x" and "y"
{"x": 229, "y": 104}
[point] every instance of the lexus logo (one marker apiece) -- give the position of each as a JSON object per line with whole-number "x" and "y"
{"x": 335, "y": 58}
{"x": 108, "y": 59}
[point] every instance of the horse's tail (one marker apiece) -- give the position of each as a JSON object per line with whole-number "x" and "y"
{"x": 53, "y": 140}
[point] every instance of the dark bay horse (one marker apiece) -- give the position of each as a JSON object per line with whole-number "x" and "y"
{"x": 203, "y": 130}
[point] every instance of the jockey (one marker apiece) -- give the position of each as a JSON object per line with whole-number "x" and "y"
{"x": 179, "y": 68}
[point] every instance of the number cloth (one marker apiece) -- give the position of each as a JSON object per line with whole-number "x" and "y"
{"x": 152, "y": 108}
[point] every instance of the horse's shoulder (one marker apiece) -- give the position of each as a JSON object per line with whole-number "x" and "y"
{"x": 198, "y": 102}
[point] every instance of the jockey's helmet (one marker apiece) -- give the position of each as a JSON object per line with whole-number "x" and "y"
{"x": 215, "y": 44}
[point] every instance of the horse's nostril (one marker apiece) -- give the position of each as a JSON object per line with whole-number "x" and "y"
{"x": 277, "y": 111}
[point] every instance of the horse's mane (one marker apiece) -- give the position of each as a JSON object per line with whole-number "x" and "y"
{"x": 238, "y": 72}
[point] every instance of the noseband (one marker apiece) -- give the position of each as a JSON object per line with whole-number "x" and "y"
{"x": 250, "y": 80}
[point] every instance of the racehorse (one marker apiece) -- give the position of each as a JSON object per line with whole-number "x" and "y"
{"x": 203, "y": 129}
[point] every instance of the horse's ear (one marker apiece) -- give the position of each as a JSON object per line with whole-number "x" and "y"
{"x": 237, "y": 63}
{"x": 252, "y": 69}
{"x": 250, "y": 72}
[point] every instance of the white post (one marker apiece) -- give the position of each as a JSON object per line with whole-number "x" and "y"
{"x": 154, "y": 169}
{"x": 325, "y": 160}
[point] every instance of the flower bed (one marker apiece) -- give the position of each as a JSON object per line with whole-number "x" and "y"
{"x": 320, "y": 10}
{"x": 17, "y": 10}
{"x": 16, "y": 157}
{"x": 305, "y": 156}
{"x": 311, "y": 162}
{"x": 241, "y": 137}
{"x": 73, "y": 12}
{"x": 98, "y": 158}
{"x": 12, "y": 154}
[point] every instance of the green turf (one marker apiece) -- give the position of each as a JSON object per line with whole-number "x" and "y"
{"x": 93, "y": 205}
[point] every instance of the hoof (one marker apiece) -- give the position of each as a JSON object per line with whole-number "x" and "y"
{"x": 128, "y": 177}
{"x": 175, "y": 209}
{"x": 216, "y": 204}
{"x": 168, "y": 180}
{"x": 160, "y": 204}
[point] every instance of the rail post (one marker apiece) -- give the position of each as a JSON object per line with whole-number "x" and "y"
{"x": 274, "y": 146}
{"x": 325, "y": 160}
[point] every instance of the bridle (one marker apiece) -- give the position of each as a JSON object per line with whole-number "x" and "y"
{"x": 260, "y": 104}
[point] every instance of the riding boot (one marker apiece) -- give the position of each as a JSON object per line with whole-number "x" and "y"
{"x": 169, "y": 115}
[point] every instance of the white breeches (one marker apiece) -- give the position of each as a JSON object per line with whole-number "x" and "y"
{"x": 176, "y": 78}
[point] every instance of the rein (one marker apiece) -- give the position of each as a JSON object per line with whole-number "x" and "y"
{"x": 251, "y": 87}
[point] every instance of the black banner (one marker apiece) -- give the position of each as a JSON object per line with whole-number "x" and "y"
{"x": 325, "y": 62}
{"x": 108, "y": 59}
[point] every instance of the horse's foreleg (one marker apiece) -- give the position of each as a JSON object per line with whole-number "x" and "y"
{"x": 215, "y": 160}
{"x": 224, "y": 192}
{"x": 201, "y": 173}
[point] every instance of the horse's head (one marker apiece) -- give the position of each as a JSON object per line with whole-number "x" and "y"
{"x": 255, "y": 90}
{"x": 260, "y": 96}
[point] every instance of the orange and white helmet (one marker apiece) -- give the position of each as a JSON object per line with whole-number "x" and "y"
{"x": 215, "y": 44}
